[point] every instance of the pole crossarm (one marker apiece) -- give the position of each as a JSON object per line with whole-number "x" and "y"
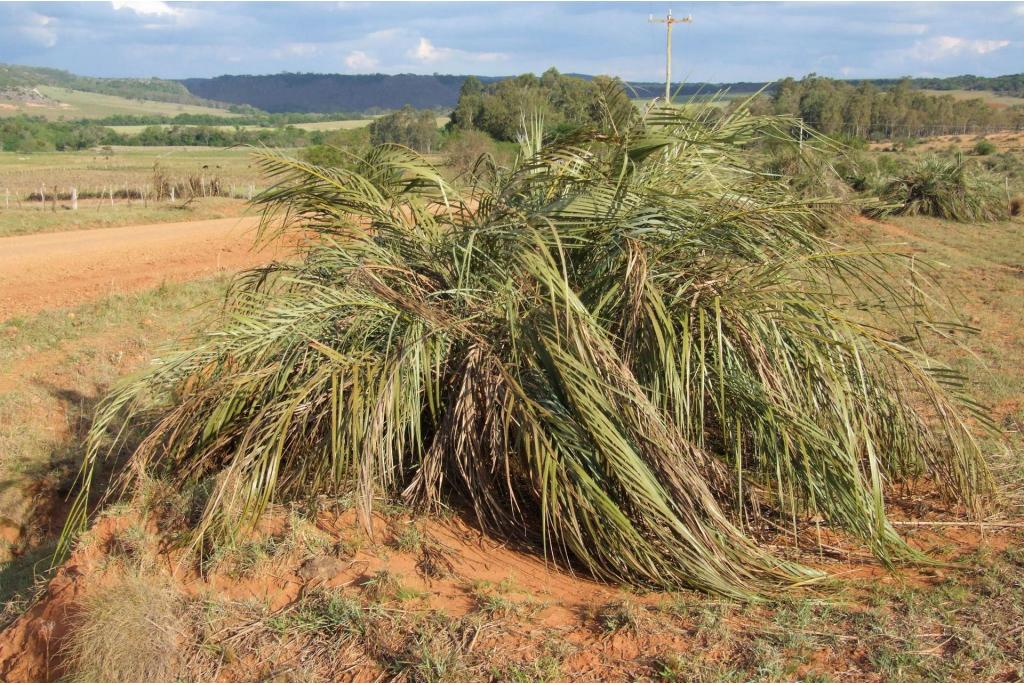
{"x": 669, "y": 21}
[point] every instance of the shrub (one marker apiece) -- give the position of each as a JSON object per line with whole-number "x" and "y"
{"x": 413, "y": 128}
{"x": 1006, "y": 165}
{"x": 325, "y": 156}
{"x": 860, "y": 171}
{"x": 945, "y": 189}
{"x": 625, "y": 345}
{"x": 984, "y": 147}
{"x": 464, "y": 149}
{"x": 809, "y": 172}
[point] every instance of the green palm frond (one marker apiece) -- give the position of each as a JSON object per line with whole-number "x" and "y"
{"x": 632, "y": 347}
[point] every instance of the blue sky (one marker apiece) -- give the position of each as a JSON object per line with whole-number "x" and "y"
{"x": 725, "y": 42}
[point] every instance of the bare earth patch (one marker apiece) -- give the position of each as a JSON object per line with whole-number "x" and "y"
{"x": 47, "y": 271}
{"x": 309, "y": 597}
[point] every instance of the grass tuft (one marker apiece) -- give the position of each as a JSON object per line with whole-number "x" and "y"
{"x": 130, "y": 631}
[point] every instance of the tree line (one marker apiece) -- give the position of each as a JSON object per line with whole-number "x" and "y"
{"x": 1010, "y": 84}
{"x": 866, "y": 111}
{"x": 34, "y": 134}
{"x": 498, "y": 108}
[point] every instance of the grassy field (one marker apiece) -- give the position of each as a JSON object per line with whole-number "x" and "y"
{"x": 101, "y": 214}
{"x": 76, "y": 104}
{"x": 342, "y": 124}
{"x": 986, "y": 95}
{"x": 345, "y": 124}
{"x": 54, "y": 365}
{"x": 90, "y": 170}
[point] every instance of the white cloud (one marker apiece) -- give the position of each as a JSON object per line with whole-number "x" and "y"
{"x": 38, "y": 29}
{"x": 383, "y": 35}
{"x": 146, "y": 7}
{"x": 290, "y": 50}
{"x": 425, "y": 51}
{"x": 942, "y": 47}
{"x": 357, "y": 60}
{"x": 1019, "y": 9}
{"x": 301, "y": 49}
{"x": 902, "y": 29}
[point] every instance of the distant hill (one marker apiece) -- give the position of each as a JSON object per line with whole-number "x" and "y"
{"x": 152, "y": 89}
{"x": 372, "y": 93}
{"x": 289, "y": 92}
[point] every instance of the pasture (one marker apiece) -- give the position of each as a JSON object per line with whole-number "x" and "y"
{"x": 986, "y": 95}
{"x": 339, "y": 125}
{"x": 119, "y": 167}
{"x": 77, "y": 104}
{"x": 35, "y": 188}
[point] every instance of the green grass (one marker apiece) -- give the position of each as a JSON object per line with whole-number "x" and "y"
{"x": 54, "y": 363}
{"x": 77, "y": 104}
{"x": 344, "y": 125}
{"x": 100, "y": 214}
{"x": 981, "y": 270}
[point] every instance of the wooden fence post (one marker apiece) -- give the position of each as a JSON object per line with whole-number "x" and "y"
{"x": 74, "y": 199}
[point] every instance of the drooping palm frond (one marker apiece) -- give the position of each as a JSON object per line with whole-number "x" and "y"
{"x": 628, "y": 347}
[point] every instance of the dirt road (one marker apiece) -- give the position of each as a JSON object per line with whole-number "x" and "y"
{"x": 54, "y": 270}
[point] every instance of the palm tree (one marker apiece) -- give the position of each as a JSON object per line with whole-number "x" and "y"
{"x": 631, "y": 348}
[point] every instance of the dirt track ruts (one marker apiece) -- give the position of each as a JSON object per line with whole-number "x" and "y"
{"x": 56, "y": 270}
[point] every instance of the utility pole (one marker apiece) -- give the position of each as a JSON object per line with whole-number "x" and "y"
{"x": 668, "y": 21}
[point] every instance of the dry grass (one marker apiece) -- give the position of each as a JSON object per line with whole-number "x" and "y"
{"x": 91, "y": 171}
{"x": 131, "y": 631}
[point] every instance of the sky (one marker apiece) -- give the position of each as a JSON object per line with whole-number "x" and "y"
{"x": 726, "y": 42}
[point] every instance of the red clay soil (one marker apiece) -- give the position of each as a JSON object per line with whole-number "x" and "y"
{"x": 32, "y": 648}
{"x": 54, "y": 270}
